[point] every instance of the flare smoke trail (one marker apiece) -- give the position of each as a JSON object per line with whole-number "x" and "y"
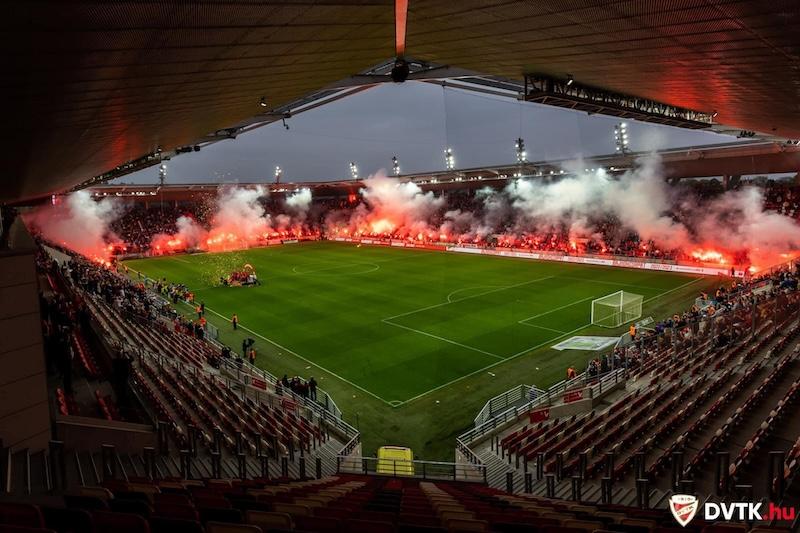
{"x": 239, "y": 221}
{"x": 80, "y": 223}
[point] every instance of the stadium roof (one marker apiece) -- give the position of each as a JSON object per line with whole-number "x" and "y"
{"x": 94, "y": 85}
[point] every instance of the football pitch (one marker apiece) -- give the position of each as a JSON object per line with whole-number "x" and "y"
{"x": 400, "y": 323}
{"x": 398, "y": 327}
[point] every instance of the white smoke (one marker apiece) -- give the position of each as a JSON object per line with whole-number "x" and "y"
{"x": 586, "y": 205}
{"x": 79, "y": 223}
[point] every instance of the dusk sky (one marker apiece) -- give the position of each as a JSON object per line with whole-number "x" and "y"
{"x": 414, "y": 121}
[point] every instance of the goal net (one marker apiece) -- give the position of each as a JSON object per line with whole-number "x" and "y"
{"x": 616, "y": 309}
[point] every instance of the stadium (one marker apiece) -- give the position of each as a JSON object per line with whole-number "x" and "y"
{"x": 599, "y": 333}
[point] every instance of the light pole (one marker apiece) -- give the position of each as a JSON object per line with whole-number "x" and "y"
{"x": 621, "y": 137}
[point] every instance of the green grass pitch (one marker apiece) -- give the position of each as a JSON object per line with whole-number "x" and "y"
{"x": 392, "y": 332}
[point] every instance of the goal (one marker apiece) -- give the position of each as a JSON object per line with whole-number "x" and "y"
{"x": 616, "y": 309}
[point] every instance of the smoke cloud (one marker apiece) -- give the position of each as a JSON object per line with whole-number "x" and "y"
{"x": 587, "y": 205}
{"x": 79, "y": 223}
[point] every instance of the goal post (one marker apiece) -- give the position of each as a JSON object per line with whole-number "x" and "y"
{"x": 616, "y": 309}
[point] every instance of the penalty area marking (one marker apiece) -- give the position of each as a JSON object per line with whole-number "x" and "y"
{"x": 540, "y": 327}
{"x": 528, "y": 350}
{"x": 444, "y": 339}
{"x": 450, "y": 296}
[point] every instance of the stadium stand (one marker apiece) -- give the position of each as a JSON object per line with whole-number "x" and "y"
{"x": 227, "y": 426}
{"x": 689, "y": 417}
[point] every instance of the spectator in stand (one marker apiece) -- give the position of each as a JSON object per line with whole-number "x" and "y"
{"x": 312, "y": 388}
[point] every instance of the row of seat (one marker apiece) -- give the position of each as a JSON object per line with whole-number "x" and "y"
{"x": 755, "y": 442}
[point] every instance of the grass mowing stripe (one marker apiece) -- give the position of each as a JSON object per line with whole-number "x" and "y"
{"x": 507, "y": 359}
{"x": 334, "y": 374}
{"x": 525, "y": 320}
{"x": 540, "y": 327}
{"x": 673, "y": 290}
{"x": 387, "y": 321}
{"x": 434, "y": 306}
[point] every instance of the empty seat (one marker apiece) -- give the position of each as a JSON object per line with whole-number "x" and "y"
{"x": 224, "y": 527}
{"x": 465, "y": 524}
{"x": 20, "y": 514}
{"x": 183, "y": 512}
{"x": 292, "y": 509}
{"x": 142, "y": 508}
{"x": 108, "y": 522}
{"x": 89, "y": 503}
{"x": 5, "y": 528}
{"x": 67, "y": 520}
{"x": 269, "y": 521}
{"x": 160, "y": 524}
{"x": 317, "y": 523}
{"x": 369, "y": 526}
{"x": 217, "y": 514}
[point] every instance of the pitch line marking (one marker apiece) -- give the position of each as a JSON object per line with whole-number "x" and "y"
{"x": 396, "y": 403}
{"x": 695, "y": 280}
{"x": 540, "y": 327}
{"x": 525, "y": 320}
{"x": 441, "y": 304}
{"x": 450, "y": 296}
{"x": 334, "y": 374}
{"x": 484, "y": 369}
{"x": 444, "y": 339}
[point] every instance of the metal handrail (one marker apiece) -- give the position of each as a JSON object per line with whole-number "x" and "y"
{"x": 553, "y": 392}
{"x": 504, "y": 401}
{"x": 412, "y": 468}
{"x": 348, "y": 448}
{"x": 329, "y": 404}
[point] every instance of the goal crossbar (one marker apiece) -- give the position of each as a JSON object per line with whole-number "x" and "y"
{"x": 616, "y": 309}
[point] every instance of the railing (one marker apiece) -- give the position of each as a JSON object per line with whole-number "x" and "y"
{"x": 333, "y": 422}
{"x": 351, "y": 445}
{"x": 438, "y": 470}
{"x": 511, "y": 398}
{"x": 595, "y": 384}
{"x": 324, "y": 400}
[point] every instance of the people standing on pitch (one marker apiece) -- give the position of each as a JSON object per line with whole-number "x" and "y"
{"x": 235, "y": 321}
{"x": 251, "y": 355}
{"x": 571, "y": 374}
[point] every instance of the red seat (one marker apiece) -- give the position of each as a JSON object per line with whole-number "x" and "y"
{"x": 370, "y": 526}
{"x": 20, "y": 514}
{"x": 107, "y": 522}
{"x": 22, "y": 529}
{"x": 317, "y": 523}
{"x": 184, "y": 512}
